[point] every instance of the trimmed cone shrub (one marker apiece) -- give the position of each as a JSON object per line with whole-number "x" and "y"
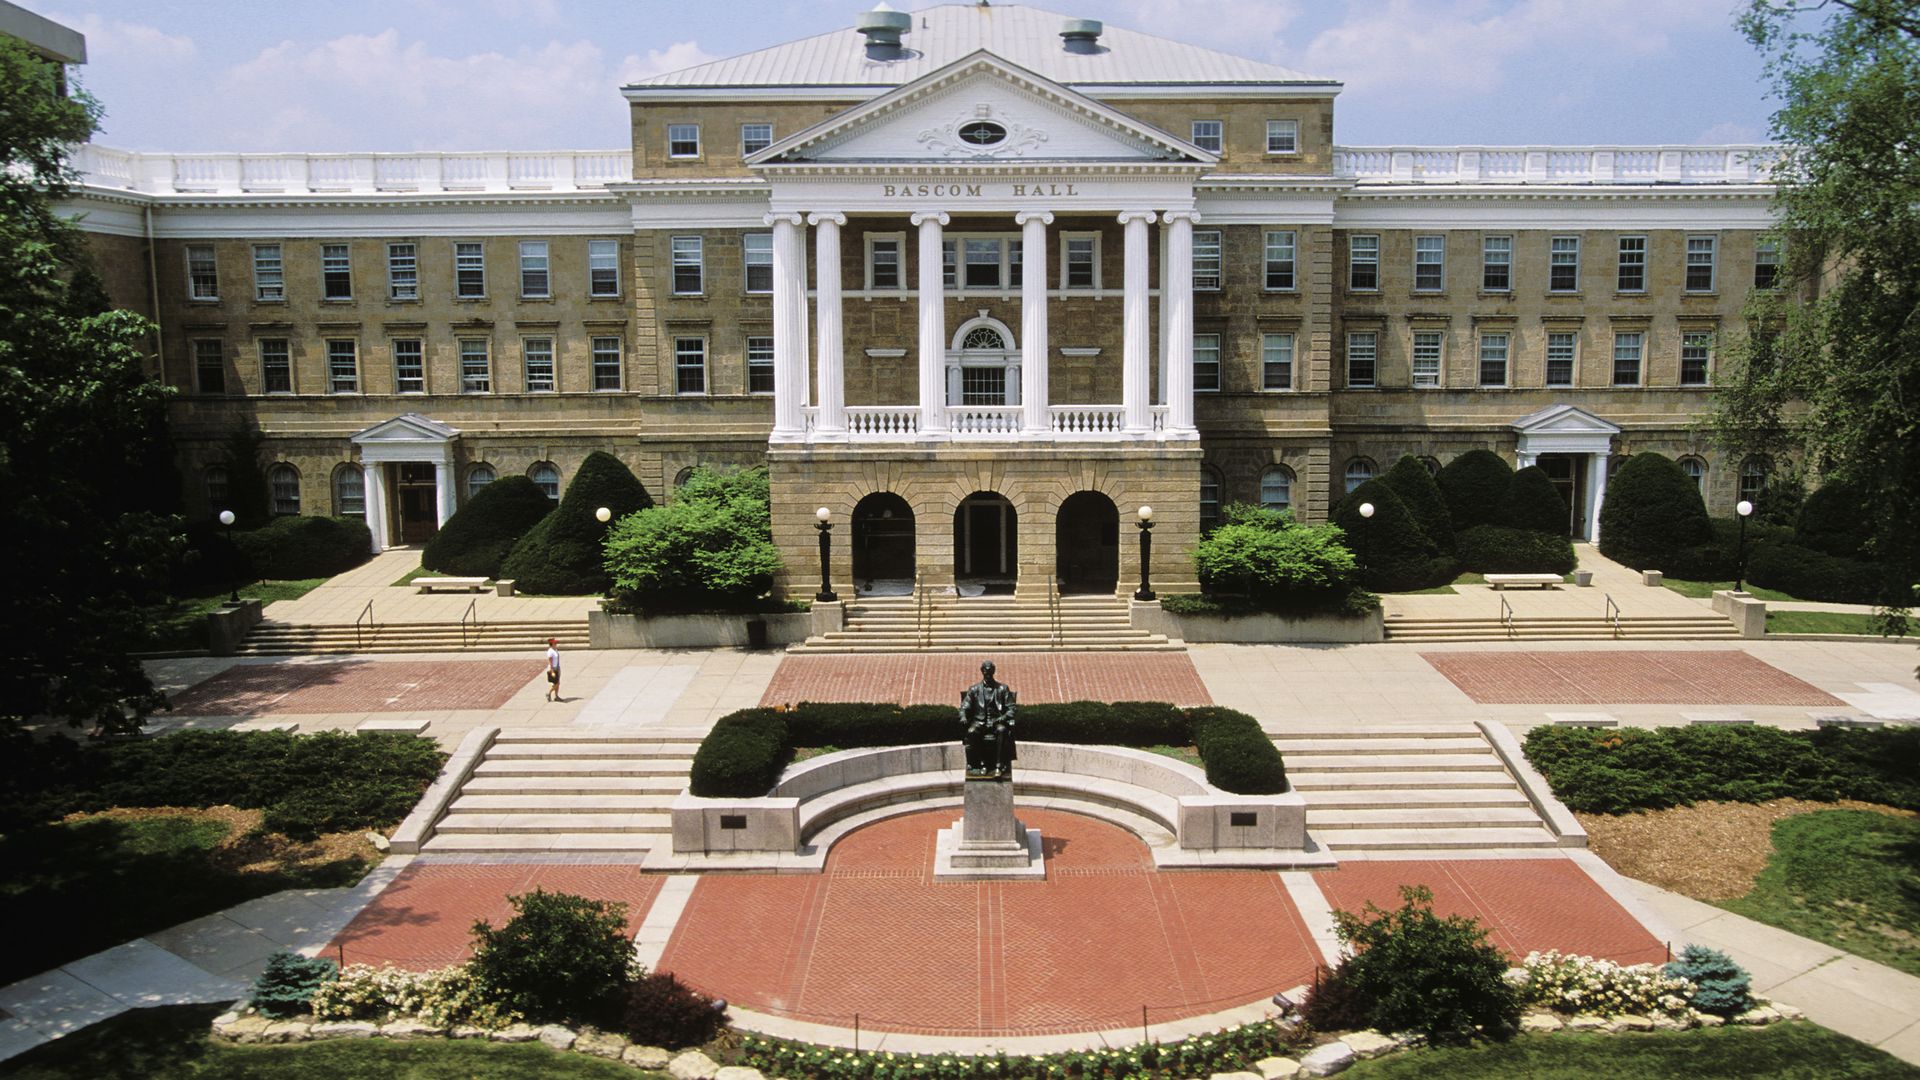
{"x": 1393, "y": 553}
{"x": 476, "y": 539}
{"x": 301, "y": 546}
{"x": 1475, "y": 485}
{"x": 1421, "y": 974}
{"x": 560, "y": 959}
{"x": 286, "y": 988}
{"x": 1490, "y": 549}
{"x": 1417, "y": 488}
{"x": 563, "y": 555}
{"x": 711, "y": 549}
{"x": 1533, "y": 503}
{"x": 660, "y": 1010}
{"x": 1833, "y": 520}
{"x": 1721, "y": 986}
{"x": 1653, "y": 513}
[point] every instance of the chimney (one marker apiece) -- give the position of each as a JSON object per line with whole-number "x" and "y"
{"x": 1081, "y": 35}
{"x": 882, "y": 28}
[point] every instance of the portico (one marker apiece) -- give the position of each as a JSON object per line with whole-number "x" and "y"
{"x": 1573, "y": 446}
{"x": 411, "y": 444}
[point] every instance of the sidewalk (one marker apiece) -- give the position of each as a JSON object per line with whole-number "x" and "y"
{"x": 1636, "y": 600}
{"x": 342, "y": 598}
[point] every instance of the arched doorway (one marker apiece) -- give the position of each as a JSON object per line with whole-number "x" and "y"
{"x": 1086, "y": 539}
{"x": 882, "y": 546}
{"x": 985, "y": 552}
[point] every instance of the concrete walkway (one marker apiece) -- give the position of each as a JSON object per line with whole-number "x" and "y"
{"x": 1636, "y": 600}
{"x": 344, "y": 596}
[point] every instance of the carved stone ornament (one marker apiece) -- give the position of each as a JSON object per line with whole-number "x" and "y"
{"x": 983, "y": 132}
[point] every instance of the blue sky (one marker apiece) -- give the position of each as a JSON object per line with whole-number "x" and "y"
{"x": 544, "y": 74}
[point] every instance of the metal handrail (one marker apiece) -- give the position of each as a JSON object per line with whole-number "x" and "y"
{"x": 367, "y": 614}
{"x": 473, "y": 610}
{"x": 1506, "y": 618}
{"x": 1612, "y": 614}
{"x": 1053, "y": 609}
{"x": 922, "y": 621}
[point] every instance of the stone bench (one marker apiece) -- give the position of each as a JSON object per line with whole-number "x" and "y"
{"x": 1540, "y": 581}
{"x": 463, "y": 584}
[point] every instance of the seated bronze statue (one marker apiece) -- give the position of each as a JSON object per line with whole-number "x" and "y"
{"x": 986, "y": 723}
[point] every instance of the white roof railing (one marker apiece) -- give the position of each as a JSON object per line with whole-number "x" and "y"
{"x": 1556, "y": 164}
{"x": 360, "y": 174}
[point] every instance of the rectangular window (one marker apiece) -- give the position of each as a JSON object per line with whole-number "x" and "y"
{"x": 1280, "y": 262}
{"x": 203, "y": 278}
{"x": 1563, "y": 264}
{"x": 950, "y": 264}
{"x": 983, "y": 386}
{"x": 883, "y": 263}
{"x": 1206, "y": 362}
{"x": 343, "y": 367}
{"x": 683, "y": 140}
{"x": 1079, "y": 266}
{"x": 1626, "y": 358}
{"x": 756, "y": 253}
{"x": 1363, "y": 263}
{"x": 1362, "y": 350}
{"x": 476, "y": 367}
{"x": 1206, "y": 260}
{"x": 336, "y": 272}
{"x": 1429, "y": 263}
{"x": 606, "y": 363}
{"x": 469, "y": 271}
{"x": 1633, "y": 264}
{"x": 1496, "y": 263}
{"x": 1696, "y": 356}
{"x": 409, "y": 366}
{"x": 276, "y": 366}
{"x": 534, "y": 280}
{"x": 689, "y": 269}
{"x": 983, "y": 264}
{"x": 1560, "y": 348}
{"x": 536, "y": 358}
{"x": 403, "y": 272}
{"x": 1766, "y": 263}
{"x": 1207, "y": 134}
{"x": 754, "y": 138}
{"x": 760, "y": 365}
{"x": 690, "y": 365}
{"x": 269, "y": 273}
{"x": 1493, "y": 360}
{"x": 1700, "y": 260}
{"x": 1015, "y": 278}
{"x": 603, "y": 268}
{"x": 210, "y": 367}
{"x": 1283, "y": 136}
{"x": 1276, "y": 361}
{"x": 1426, "y": 358}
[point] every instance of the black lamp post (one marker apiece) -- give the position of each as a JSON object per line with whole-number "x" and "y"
{"x": 1745, "y": 510}
{"x": 1145, "y": 592}
{"x": 226, "y": 518}
{"x": 825, "y": 595}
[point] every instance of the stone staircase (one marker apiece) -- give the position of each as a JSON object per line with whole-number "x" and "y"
{"x": 272, "y": 638}
{"x": 1001, "y": 623}
{"x": 1409, "y": 788}
{"x": 1637, "y": 628}
{"x": 568, "y": 790}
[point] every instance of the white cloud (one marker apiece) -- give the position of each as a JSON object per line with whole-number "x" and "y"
{"x": 680, "y": 54}
{"x": 1730, "y": 131}
{"x": 121, "y": 42}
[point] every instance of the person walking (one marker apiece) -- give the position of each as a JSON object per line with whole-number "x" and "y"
{"x": 553, "y": 669}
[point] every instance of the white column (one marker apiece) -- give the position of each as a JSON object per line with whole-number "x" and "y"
{"x": 805, "y": 336}
{"x": 1137, "y": 343}
{"x": 1176, "y": 307}
{"x": 1034, "y": 418}
{"x": 443, "y": 491}
{"x": 788, "y": 377}
{"x": 1596, "y": 493}
{"x": 374, "y": 474}
{"x": 1162, "y": 343}
{"x": 832, "y": 397}
{"x": 933, "y": 325}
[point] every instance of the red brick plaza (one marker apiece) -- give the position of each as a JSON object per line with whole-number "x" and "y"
{"x": 357, "y": 686}
{"x": 1623, "y": 677}
{"x": 938, "y": 678}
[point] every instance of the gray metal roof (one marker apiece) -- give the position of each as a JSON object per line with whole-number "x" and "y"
{"x": 1027, "y": 36}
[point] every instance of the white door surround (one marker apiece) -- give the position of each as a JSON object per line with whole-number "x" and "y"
{"x": 1568, "y": 429}
{"x": 409, "y": 438}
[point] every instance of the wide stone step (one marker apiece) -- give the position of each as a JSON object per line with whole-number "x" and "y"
{"x": 1433, "y": 744}
{"x": 496, "y": 784}
{"x": 578, "y": 766}
{"x": 567, "y": 749}
{"x": 637, "y": 822}
{"x": 961, "y": 647}
{"x": 1485, "y": 776}
{"x": 681, "y": 742}
{"x": 1425, "y": 817}
{"x": 1437, "y": 839}
{"x": 472, "y": 802}
{"x": 1345, "y": 798}
{"x": 539, "y": 843}
{"x": 1481, "y": 762}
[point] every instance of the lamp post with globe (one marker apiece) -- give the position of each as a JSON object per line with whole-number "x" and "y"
{"x": 233, "y": 595}
{"x": 824, "y": 517}
{"x": 1745, "y": 510}
{"x": 1145, "y": 591}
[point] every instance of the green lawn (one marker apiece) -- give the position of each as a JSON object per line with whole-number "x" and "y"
{"x": 1703, "y": 590}
{"x": 182, "y": 621}
{"x": 416, "y": 572}
{"x": 1850, "y": 878}
{"x": 1821, "y": 622}
{"x": 1798, "y": 1051}
{"x": 1468, "y": 578}
{"x": 172, "y": 1044}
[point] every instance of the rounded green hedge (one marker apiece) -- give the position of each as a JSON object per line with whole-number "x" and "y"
{"x": 1491, "y": 549}
{"x": 1393, "y": 552}
{"x": 1417, "y": 488}
{"x": 1533, "y": 502}
{"x": 478, "y": 536}
{"x": 562, "y": 555}
{"x": 1834, "y": 520}
{"x": 1652, "y": 513}
{"x": 301, "y": 546}
{"x": 1815, "y": 575}
{"x": 1475, "y": 484}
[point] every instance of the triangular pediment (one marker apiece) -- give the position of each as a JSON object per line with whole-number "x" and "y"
{"x": 980, "y": 110}
{"x": 407, "y": 428}
{"x": 1564, "y": 420}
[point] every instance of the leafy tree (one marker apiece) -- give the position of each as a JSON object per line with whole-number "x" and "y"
{"x": 711, "y": 548}
{"x": 1475, "y": 483}
{"x": 82, "y": 417}
{"x": 1416, "y": 487}
{"x": 560, "y": 555}
{"x": 560, "y": 958}
{"x": 1295, "y": 568}
{"x": 1837, "y": 375}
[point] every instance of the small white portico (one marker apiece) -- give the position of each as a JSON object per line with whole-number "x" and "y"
{"x": 395, "y": 454}
{"x": 1573, "y": 446}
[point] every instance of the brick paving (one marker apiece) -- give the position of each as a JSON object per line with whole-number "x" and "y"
{"x": 1081, "y": 951}
{"x": 424, "y": 920}
{"x": 1528, "y": 904}
{"x": 1623, "y": 677}
{"x": 357, "y": 686}
{"x": 938, "y": 678}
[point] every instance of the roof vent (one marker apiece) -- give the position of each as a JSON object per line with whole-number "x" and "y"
{"x": 882, "y": 28}
{"x": 1081, "y": 35}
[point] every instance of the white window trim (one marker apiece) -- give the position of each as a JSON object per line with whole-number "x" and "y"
{"x": 1646, "y": 248}
{"x": 698, "y": 143}
{"x": 706, "y": 366}
{"x": 1064, "y": 237}
{"x": 1506, "y": 361}
{"x": 1293, "y": 363}
{"x": 1346, "y": 359}
{"x": 260, "y": 349}
{"x": 593, "y": 363}
{"x": 673, "y": 265}
{"x": 1193, "y": 129}
{"x": 348, "y": 296}
{"x": 746, "y": 356}
{"x": 198, "y": 386}
{"x": 394, "y": 355}
{"x": 1351, "y": 287}
{"x": 1573, "y": 366}
{"x": 1713, "y": 265}
{"x": 744, "y": 152}
{"x": 1681, "y": 373}
{"x": 1574, "y": 291}
{"x": 359, "y": 381}
{"x": 1005, "y": 289}
{"x": 615, "y": 294}
{"x": 1640, "y": 366}
{"x": 192, "y": 297}
{"x": 392, "y": 286}
{"x": 1440, "y": 363}
{"x": 281, "y": 258}
{"x": 1219, "y": 363}
{"x": 1484, "y": 287}
{"x": 1220, "y": 271}
{"x": 900, "y": 242}
{"x": 1414, "y": 284}
{"x": 457, "y": 294}
{"x": 1296, "y": 138}
{"x": 1264, "y": 234}
{"x": 746, "y": 280}
{"x": 460, "y": 362}
{"x": 521, "y": 249}
{"x": 553, "y": 360}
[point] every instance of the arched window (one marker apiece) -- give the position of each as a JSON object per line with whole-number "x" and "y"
{"x": 1276, "y": 488}
{"x": 680, "y": 478}
{"x": 1209, "y": 497}
{"x": 547, "y": 475}
{"x": 1753, "y": 478}
{"x": 349, "y": 491}
{"x": 283, "y": 482}
{"x": 1359, "y": 471}
{"x": 1432, "y": 463}
{"x": 983, "y": 337}
{"x": 218, "y": 490}
{"x": 478, "y": 477}
{"x": 1697, "y": 469}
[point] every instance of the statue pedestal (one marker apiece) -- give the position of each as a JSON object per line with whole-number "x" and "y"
{"x": 988, "y": 842}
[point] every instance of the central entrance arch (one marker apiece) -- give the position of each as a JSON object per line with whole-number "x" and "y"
{"x": 1086, "y": 544}
{"x": 882, "y": 545}
{"x": 985, "y": 548}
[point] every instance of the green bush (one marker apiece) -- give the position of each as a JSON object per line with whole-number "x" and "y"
{"x": 1295, "y": 569}
{"x": 1418, "y": 973}
{"x": 564, "y": 553}
{"x": 710, "y": 549}
{"x": 1421, "y": 493}
{"x": 1816, "y": 575}
{"x": 301, "y": 546}
{"x": 660, "y": 1010}
{"x": 1334, "y": 1004}
{"x": 1239, "y": 757}
{"x": 477, "y": 538}
{"x": 560, "y": 959}
{"x": 1721, "y": 986}
{"x": 1491, "y": 549}
{"x": 1834, "y": 520}
{"x": 1652, "y": 514}
{"x": 286, "y": 988}
{"x": 1265, "y": 517}
{"x": 1535, "y": 504}
{"x": 742, "y": 756}
{"x": 1475, "y": 485}
{"x": 1393, "y": 553}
